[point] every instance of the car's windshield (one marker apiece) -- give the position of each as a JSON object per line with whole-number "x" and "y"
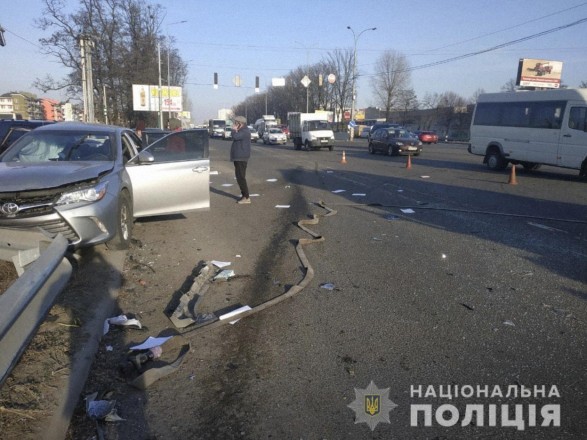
{"x": 60, "y": 146}
{"x": 275, "y": 130}
{"x": 318, "y": 125}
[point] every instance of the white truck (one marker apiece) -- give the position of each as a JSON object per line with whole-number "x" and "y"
{"x": 310, "y": 131}
{"x": 264, "y": 123}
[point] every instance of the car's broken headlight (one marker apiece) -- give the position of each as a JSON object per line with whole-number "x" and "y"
{"x": 89, "y": 194}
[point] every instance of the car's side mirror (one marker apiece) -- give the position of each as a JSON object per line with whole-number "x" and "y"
{"x": 146, "y": 157}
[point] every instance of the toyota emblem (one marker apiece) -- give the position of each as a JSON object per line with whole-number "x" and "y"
{"x": 9, "y": 208}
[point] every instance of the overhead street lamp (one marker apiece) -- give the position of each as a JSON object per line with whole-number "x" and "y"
{"x": 356, "y": 38}
{"x": 168, "y": 76}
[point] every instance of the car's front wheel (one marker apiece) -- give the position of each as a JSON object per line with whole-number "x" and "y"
{"x": 121, "y": 240}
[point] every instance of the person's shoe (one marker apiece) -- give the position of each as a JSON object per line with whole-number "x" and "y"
{"x": 244, "y": 201}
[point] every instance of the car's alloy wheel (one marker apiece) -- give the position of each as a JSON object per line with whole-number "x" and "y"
{"x": 121, "y": 240}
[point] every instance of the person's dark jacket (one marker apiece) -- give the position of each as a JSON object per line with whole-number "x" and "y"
{"x": 241, "y": 145}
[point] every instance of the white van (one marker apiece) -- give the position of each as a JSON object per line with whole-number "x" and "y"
{"x": 531, "y": 128}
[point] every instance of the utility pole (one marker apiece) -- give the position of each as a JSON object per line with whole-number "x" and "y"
{"x": 86, "y": 46}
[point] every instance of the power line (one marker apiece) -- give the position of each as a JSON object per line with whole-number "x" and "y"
{"x": 491, "y": 49}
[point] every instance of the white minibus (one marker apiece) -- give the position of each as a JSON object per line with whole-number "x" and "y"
{"x": 531, "y": 128}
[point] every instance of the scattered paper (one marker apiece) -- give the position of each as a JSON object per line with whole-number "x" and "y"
{"x": 359, "y": 194}
{"x": 220, "y": 264}
{"x": 336, "y": 191}
{"x": 425, "y": 177}
{"x": 227, "y": 184}
{"x": 327, "y": 286}
{"x": 151, "y": 342}
{"x": 234, "y": 313}
{"x": 400, "y": 190}
{"x": 509, "y": 323}
{"x": 407, "y": 211}
{"x": 253, "y": 195}
{"x": 282, "y": 206}
{"x": 214, "y": 173}
{"x": 271, "y": 180}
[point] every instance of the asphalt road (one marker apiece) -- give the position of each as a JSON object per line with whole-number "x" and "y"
{"x": 478, "y": 291}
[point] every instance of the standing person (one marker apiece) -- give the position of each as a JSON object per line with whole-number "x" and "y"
{"x": 240, "y": 152}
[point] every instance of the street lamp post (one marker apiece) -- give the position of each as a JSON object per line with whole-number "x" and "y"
{"x": 356, "y": 38}
{"x": 168, "y": 77}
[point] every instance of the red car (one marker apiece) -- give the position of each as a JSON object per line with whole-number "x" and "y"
{"x": 428, "y": 137}
{"x": 285, "y": 129}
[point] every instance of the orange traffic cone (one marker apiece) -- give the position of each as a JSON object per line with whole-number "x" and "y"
{"x": 409, "y": 162}
{"x": 343, "y": 160}
{"x": 512, "y": 180}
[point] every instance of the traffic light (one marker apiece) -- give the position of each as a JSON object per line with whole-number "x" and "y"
{"x": 215, "y": 80}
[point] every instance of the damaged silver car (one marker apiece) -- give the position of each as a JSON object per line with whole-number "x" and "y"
{"x": 89, "y": 182}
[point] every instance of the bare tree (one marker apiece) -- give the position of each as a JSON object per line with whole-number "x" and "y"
{"x": 126, "y": 34}
{"x": 390, "y": 79}
{"x": 340, "y": 63}
{"x": 583, "y": 84}
{"x": 509, "y": 86}
{"x": 475, "y": 96}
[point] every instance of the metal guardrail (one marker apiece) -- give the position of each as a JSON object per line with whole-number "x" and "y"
{"x": 44, "y": 272}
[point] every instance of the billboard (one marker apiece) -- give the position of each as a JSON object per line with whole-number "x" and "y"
{"x": 539, "y": 73}
{"x": 146, "y": 98}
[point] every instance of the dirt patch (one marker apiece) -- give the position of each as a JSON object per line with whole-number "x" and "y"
{"x": 8, "y": 275}
{"x": 28, "y": 395}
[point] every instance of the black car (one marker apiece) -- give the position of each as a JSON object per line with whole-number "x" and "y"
{"x": 379, "y": 125}
{"x": 12, "y": 129}
{"x": 150, "y": 135}
{"x": 394, "y": 141}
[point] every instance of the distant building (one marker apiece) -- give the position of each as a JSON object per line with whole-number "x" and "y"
{"x": 51, "y": 109}
{"x": 225, "y": 113}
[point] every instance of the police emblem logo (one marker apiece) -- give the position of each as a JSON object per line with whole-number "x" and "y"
{"x": 372, "y": 405}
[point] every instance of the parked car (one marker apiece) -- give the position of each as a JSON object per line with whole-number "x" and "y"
{"x": 394, "y": 141}
{"x": 428, "y": 137}
{"x": 379, "y": 125}
{"x": 12, "y": 129}
{"x": 254, "y": 134}
{"x": 274, "y": 136}
{"x": 89, "y": 181}
{"x": 227, "y": 133}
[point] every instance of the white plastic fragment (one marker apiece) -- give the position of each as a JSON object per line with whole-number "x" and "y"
{"x": 359, "y": 194}
{"x": 220, "y": 264}
{"x": 234, "y": 313}
{"x": 407, "y": 211}
{"x": 509, "y": 323}
{"x": 227, "y": 184}
{"x": 224, "y": 275}
{"x": 214, "y": 173}
{"x": 120, "y": 320}
{"x": 327, "y": 286}
{"x": 336, "y": 191}
{"x": 271, "y": 180}
{"x": 282, "y": 206}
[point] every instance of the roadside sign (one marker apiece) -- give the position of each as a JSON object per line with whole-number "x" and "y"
{"x": 306, "y": 81}
{"x": 331, "y": 78}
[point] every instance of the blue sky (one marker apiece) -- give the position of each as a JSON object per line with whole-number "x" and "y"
{"x": 269, "y": 39}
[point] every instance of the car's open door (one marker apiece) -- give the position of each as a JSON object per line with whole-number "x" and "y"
{"x": 178, "y": 180}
